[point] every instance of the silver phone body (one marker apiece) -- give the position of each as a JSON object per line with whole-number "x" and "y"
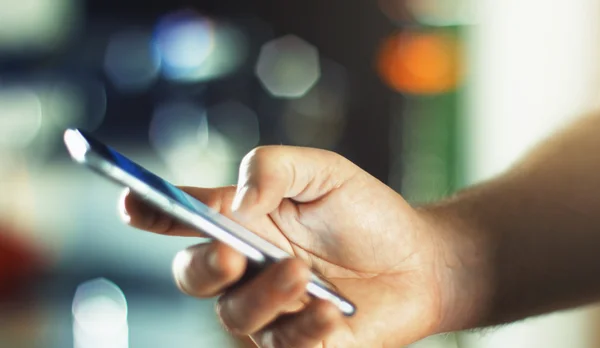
{"x": 87, "y": 150}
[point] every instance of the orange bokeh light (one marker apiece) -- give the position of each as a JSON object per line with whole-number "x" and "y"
{"x": 420, "y": 63}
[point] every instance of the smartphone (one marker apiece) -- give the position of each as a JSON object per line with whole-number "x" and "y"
{"x": 87, "y": 150}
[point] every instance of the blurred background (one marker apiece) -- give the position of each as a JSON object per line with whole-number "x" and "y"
{"x": 428, "y": 96}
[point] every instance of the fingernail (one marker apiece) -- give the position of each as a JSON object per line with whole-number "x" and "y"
{"x": 243, "y": 200}
{"x": 226, "y": 309}
{"x": 180, "y": 263}
{"x": 125, "y": 217}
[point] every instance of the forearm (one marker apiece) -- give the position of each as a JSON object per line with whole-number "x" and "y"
{"x": 533, "y": 234}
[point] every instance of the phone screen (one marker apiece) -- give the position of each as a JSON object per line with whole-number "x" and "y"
{"x": 150, "y": 179}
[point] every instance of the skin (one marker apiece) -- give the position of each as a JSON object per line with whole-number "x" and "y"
{"x": 538, "y": 228}
{"x": 519, "y": 245}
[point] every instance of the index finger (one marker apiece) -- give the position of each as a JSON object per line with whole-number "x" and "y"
{"x": 139, "y": 214}
{"x": 269, "y": 174}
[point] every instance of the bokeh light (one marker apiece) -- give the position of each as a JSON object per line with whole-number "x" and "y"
{"x": 184, "y": 40}
{"x": 62, "y": 103}
{"x": 421, "y": 63}
{"x": 180, "y": 133}
{"x": 288, "y": 66}
{"x": 34, "y": 112}
{"x": 19, "y": 259}
{"x": 20, "y": 116}
{"x": 442, "y": 12}
{"x": 131, "y": 61}
{"x": 100, "y": 315}
{"x": 176, "y": 124}
{"x": 194, "y": 48}
{"x": 229, "y": 52}
{"x": 318, "y": 118}
{"x": 36, "y": 25}
{"x": 326, "y": 100}
{"x": 73, "y": 103}
{"x": 429, "y": 12}
{"x": 235, "y": 122}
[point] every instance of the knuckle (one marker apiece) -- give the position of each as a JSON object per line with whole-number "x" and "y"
{"x": 256, "y": 154}
{"x": 263, "y": 155}
{"x": 264, "y": 163}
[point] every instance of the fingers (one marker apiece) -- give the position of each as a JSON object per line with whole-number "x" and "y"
{"x": 301, "y": 330}
{"x": 139, "y": 214}
{"x": 257, "y": 303}
{"x": 204, "y": 270}
{"x": 266, "y": 176}
{"x": 269, "y": 174}
{"x": 262, "y": 306}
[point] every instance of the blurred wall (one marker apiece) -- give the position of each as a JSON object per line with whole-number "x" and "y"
{"x": 534, "y": 67}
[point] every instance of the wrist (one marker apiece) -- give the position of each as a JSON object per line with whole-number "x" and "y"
{"x": 464, "y": 262}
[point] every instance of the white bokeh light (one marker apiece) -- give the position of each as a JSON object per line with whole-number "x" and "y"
{"x": 100, "y": 315}
{"x": 63, "y": 104}
{"x": 288, "y": 66}
{"x": 228, "y": 53}
{"x": 72, "y": 103}
{"x": 180, "y": 134}
{"x": 39, "y": 25}
{"x": 176, "y": 124}
{"x": 184, "y": 41}
{"x": 20, "y": 116}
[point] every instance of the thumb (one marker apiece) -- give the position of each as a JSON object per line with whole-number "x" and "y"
{"x": 269, "y": 174}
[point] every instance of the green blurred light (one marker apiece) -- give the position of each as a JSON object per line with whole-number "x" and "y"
{"x": 442, "y": 12}
{"x": 36, "y": 25}
{"x": 20, "y": 116}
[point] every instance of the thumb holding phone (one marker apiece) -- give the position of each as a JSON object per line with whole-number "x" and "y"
{"x": 335, "y": 219}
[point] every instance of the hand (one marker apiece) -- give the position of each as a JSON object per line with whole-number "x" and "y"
{"x": 336, "y": 219}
